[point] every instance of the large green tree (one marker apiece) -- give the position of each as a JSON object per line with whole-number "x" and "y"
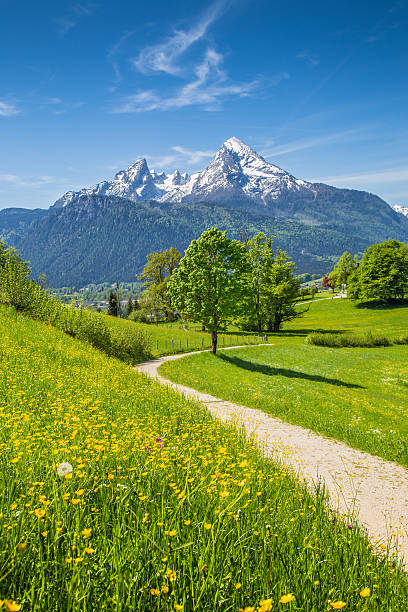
{"x": 272, "y": 289}
{"x": 283, "y": 293}
{"x": 156, "y": 275}
{"x": 209, "y": 284}
{"x": 382, "y": 273}
{"x": 342, "y": 271}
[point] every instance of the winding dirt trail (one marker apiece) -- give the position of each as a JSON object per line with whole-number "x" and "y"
{"x": 375, "y": 491}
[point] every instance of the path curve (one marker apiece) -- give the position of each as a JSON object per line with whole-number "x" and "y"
{"x": 358, "y": 483}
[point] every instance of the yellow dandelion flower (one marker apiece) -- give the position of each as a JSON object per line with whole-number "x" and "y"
{"x": 68, "y": 560}
{"x": 10, "y": 606}
{"x": 287, "y": 598}
{"x": 160, "y": 524}
{"x": 86, "y": 532}
{"x": 238, "y": 585}
{"x": 44, "y": 534}
{"x": 75, "y": 501}
{"x": 165, "y": 589}
{"x": 265, "y": 605}
{"x": 171, "y": 575}
{"x": 178, "y": 607}
{"x": 89, "y": 551}
{"x": 164, "y": 560}
{"x": 39, "y": 512}
{"x": 365, "y": 592}
{"x": 22, "y": 545}
{"x": 171, "y": 533}
{"x": 154, "y": 592}
{"x": 187, "y": 522}
{"x": 207, "y": 526}
{"x": 337, "y": 605}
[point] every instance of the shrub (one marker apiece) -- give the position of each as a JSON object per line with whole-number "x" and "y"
{"x": 401, "y": 340}
{"x": 367, "y": 340}
{"x": 16, "y": 289}
{"x": 140, "y": 316}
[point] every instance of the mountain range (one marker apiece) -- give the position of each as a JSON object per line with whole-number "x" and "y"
{"x": 104, "y": 232}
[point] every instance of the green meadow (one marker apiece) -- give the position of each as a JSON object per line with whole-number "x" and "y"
{"x": 180, "y": 337}
{"x": 117, "y": 494}
{"x": 357, "y": 395}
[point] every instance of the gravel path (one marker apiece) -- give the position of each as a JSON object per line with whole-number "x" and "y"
{"x": 375, "y": 491}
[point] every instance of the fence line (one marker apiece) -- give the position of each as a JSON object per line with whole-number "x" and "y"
{"x": 194, "y": 342}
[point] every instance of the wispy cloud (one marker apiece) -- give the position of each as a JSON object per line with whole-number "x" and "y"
{"x": 306, "y": 143}
{"x": 391, "y": 175}
{"x": 193, "y": 157}
{"x": 30, "y": 181}
{"x": 163, "y": 56}
{"x": 8, "y": 110}
{"x": 114, "y": 52}
{"x": 207, "y": 89}
{"x": 310, "y": 58}
{"x": 76, "y": 13}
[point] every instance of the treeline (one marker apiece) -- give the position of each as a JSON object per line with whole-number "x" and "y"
{"x": 29, "y": 298}
{"x": 98, "y": 239}
{"x": 220, "y": 281}
{"x": 381, "y": 274}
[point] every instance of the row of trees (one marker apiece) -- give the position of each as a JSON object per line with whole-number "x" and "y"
{"x": 382, "y": 273}
{"x": 221, "y": 281}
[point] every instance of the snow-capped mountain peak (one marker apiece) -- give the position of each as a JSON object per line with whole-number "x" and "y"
{"x": 401, "y": 209}
{"x": 236, "y": 175}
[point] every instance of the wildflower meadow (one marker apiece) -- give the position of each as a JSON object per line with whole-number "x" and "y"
{"x": 118, "y": 494}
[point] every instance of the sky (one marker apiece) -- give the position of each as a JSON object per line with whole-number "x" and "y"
{"x": 318, "y": 88}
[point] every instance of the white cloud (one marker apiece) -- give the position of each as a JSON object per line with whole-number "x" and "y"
{"x": 310, "y": 58}
{"x": 207, "y": 89}
{"x": 8, "y": 110}
{"x": 30, "y": 181}
{"x": 193, "y": 157}
{"x": 75, "y": 13}
{"x": 300, "y": 145}
{"x": 163, "y": 56}
{"x": 113, "y": 53}
{"x": 392, "y": 175}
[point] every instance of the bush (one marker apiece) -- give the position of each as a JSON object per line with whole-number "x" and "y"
{"x": 367, "y": 340}
{"x": 16, "y": 289}
{"x": 140, "y": 316}
{"x": 401, "y": 340}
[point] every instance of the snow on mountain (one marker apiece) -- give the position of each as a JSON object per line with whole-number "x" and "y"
{"x": 401, "y": 209}
{"x": 236, "y": 175}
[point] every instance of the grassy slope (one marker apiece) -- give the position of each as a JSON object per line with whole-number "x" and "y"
{"x": 171, "y": 338}
{"x": 355, "y": 395}
{"x": 140, "y": 527}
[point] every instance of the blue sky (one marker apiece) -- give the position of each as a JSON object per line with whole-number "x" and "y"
{"x": 319, "y": 88}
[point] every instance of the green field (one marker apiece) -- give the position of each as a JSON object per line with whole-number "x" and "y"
{"x": 177, "y": 337}
{"x": 353, "y": 394}
{"x": 165, "y": 508}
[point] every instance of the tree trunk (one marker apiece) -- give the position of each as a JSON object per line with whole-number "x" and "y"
{"x": 276, "y": 325}
{"x": 214, "y": 338}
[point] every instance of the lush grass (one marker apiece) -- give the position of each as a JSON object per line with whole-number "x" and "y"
{"x": 356, "y": 395}
{"x": 165, "y": 509}
{"x": 177, "y": 337}
{"x": 366, "y": 340}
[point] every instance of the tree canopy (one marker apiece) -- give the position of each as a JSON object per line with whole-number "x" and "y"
{"x": 210, "y": 281}
{"x": 382, "y": 273}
